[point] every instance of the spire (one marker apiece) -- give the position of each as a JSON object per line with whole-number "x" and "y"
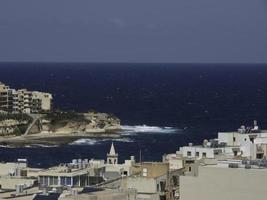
{"x": 112, "y": 157}
{"x": 112, "y": 150}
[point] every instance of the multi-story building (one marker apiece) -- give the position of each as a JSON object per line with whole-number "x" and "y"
{"x": 246, "y": 142}
{"x": 5, "y": 97}
{"x": 24, "y": 101}
{"x": 156, "y": 181}
{"x": 41, "y": 101}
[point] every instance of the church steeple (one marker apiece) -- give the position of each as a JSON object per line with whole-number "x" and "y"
{"x": 112, "y": 156}
{"x": 112, "y": 150}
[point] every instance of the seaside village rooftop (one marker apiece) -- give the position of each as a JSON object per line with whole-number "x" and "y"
{"x": 247, "y": 143}
{"x": 232, "y": 166}
{"x": 24, "y": 101}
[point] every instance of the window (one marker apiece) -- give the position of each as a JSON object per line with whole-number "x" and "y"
{"x": 189, "y": 169}
{"x": 197, "y": 154}
{"x": 162, "y": 186}
{"x": 68, "y": 181}
{"x": 175, "y": 180}
{"x": 189, "y": 161}
{"x": 42, "y": 182}
{"x": 233, "y": 139}
{"x": 65, "y": 181}
{"x": 259, "y": 155}
{"x": 55, "y": 180}
{"x": 45, "y": 181}
{"x": 204, "y": 154}
{"x": 144, "y": 171}
{"x": 51, "y": 180}
{"x": 76, "y": 181}
{"x": 189, "y": 153}
{"x": 62, "y": 181}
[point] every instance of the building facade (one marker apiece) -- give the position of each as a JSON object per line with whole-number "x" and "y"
{"x": 246, "y": 142}
{"x": 155, "y": 182}
{"x": 24, "y": 101}
{"x": 5, "y": 97}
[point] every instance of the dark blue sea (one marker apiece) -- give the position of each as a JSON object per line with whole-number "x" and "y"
{"x": 162, "y": 106}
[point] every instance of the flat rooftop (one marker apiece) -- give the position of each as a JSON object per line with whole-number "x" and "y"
{"x": 222, "y": 183}
{"x": 257, "y": 132}
{"x": 63, "y": 171}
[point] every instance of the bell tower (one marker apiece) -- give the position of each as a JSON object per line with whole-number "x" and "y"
{"x": 112, "y": 156}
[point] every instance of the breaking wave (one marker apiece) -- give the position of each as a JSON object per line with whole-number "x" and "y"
{"x": 127, "y": 130}
{"x": 84, "y": 142}
{"x": 43, "y": 145}
{"x": 97, "y": 141}
{"x": 32, "y": 146}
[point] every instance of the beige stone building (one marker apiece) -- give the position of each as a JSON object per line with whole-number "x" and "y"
{"x": 155, "y": 181}
{"x": 15, "y": 173}
{"x": 41, "y": 101}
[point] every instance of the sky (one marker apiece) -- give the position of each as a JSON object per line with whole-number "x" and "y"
{"x": 176, "y": 31}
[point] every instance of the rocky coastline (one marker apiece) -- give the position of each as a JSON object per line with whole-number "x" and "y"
{"x": 57, "y": 128}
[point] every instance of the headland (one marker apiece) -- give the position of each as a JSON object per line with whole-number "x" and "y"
{"x": 56, "y": 127}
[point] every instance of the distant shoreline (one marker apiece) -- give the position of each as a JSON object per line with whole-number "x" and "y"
{"x": 45, "y": 138}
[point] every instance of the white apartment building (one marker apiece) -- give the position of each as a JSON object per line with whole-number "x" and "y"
{"x": 208, "y": 150}
{"x": 246, "y": 142}
{"x": 41, "y": 101}
{"x": 24, "y": 101}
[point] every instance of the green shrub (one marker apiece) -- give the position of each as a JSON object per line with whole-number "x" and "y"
{"x": 59, "y": 117}
{"x": 17, "y": 131}
{"x": 18, "y": 117}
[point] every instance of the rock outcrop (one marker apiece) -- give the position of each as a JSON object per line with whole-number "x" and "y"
{"x": 82, "y": 123}
{"x": 59, "y": 122}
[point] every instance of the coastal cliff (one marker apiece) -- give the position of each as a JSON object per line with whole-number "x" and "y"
{"x": 56, "y": 127}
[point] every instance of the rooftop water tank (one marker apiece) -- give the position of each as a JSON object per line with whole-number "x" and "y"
{"x": 205, "y": 142}
{"x": 132, "y": 158}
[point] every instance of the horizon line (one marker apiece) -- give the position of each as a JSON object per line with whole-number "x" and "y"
{"x": 159, "y": 63}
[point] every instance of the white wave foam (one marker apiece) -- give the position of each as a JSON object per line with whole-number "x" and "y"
{"x": 84, "y": 142}
{"x": 127, "y": 130}
{"x": 30, "y": 146}
{"x": 123, "y": 140}
{"x": 95, "y": 141}
{"x": 40, "y": 145}
{"x": 4, "y": 146}
{"x": 46, "y": 146}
